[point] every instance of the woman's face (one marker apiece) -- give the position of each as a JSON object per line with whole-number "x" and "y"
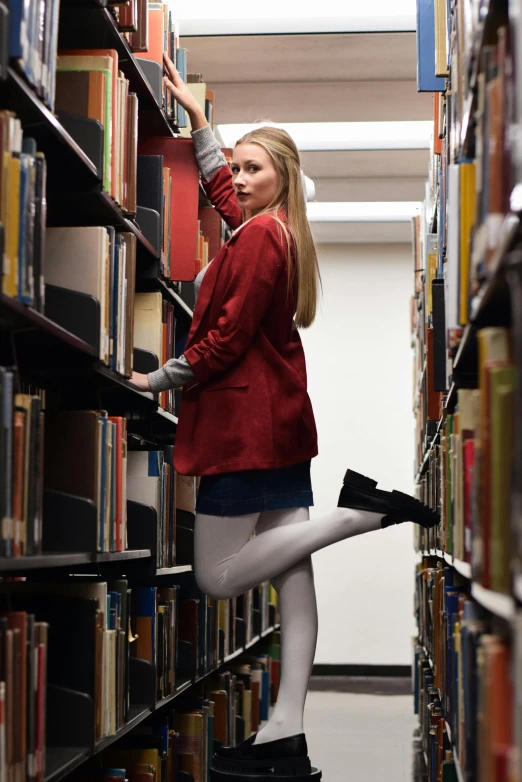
{"x": 254, "y": 177}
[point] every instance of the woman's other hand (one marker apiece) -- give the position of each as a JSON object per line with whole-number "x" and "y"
{"x": 140, "y": 381}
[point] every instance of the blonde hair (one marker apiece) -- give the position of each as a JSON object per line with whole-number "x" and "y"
{"x": 290, "y": 197}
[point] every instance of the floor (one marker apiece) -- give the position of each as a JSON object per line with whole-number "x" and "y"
{"x": 363, "y": 731}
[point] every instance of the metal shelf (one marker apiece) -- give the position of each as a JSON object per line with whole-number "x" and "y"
{"x": 167, "y": 416}
{"x": 75, "y": 184}
{"x": 495, "y": 602}
{"x": 237, "y": 652}
{"x": 61, "y": 761}
{"x": 15, "y": 316}
{"x": 169, "y": 571}
{"x": 68, "y": 559}
{"x": 489, "y": 290}
{"x": 121, "y": 556}
{"x": 464, "y": 568}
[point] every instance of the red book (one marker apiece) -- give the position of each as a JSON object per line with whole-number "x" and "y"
{"x": 178, "y": 156}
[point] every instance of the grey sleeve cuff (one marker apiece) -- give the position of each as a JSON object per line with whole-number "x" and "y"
{"x": 208, "y": 152}
{"x": 175, "y": 373}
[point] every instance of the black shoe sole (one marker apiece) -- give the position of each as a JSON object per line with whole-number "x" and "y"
{"x": 360, "y": 493}
{"x": 287, "y": 767}
{"x": 217, "y": 775}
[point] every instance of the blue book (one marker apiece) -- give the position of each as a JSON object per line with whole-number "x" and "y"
{"x": 101, "y": 537}
{"x": 451, "y": 600}
{"x": 265, "y": 695}
{"x": 426, "y": 79}
{"x": 17, "y": 27}
{"x": 181, "y": 63}
{"x": 155, "y": 464}
{"x": 163, "y": 732}
{"x": 114, "y": 599}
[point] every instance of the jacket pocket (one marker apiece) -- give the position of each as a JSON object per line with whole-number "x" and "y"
{"x": 237, "y": 377}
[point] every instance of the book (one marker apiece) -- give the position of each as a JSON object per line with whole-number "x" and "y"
{"x": 105, "y": 61}
{"x": 96, "y": 261}
{"x": 79, "y": 259}
{"x": 22, "y": 212}
{"x": 23, "y": 656}
{"x": 427, "y": 81}
{"x": 82, "y": 443}
{"x": 180, "y": 160}
{"x": 32, "y": 40}
{"x": 119, "y": 114}
{"x": 465, "y": 454}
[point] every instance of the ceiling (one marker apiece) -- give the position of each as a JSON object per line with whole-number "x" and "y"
{"x": 326, "y": 78}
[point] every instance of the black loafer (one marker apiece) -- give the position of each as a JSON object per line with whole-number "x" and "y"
{"x": 361, "y": 493}
{"x": 283, "y": 757}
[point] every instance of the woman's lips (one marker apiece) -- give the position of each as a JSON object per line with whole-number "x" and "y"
{"x": 242, "y": 195}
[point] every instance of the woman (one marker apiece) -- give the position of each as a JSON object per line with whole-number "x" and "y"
{"x": 246, "y": 423}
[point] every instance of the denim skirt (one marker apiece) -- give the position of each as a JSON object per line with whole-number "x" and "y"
{"x": 253, "y": 491}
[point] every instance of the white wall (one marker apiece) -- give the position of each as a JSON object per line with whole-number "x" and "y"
{"x": 359, "y": 372}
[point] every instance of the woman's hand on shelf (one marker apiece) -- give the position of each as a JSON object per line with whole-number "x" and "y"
{"x": 182, "y": 94}
{"x": 140, "y": 381}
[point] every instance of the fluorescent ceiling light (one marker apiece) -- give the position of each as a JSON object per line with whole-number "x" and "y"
{"x": 332, "y": 136}
{"x": 362, "y": 211}
{"x": 293, "y": 16}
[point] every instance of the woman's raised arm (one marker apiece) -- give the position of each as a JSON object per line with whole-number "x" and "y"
{"x": 217, "y": 183}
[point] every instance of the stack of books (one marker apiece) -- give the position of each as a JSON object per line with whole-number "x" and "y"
{"x": 466, "y": 333}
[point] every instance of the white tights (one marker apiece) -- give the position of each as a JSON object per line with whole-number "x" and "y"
{"x": 228, "y": 562}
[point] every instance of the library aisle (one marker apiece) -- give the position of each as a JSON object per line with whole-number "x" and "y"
{"x": 115, "y": 663}
{"x": 365, "y": 733}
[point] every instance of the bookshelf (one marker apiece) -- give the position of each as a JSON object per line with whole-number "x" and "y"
{"x": 466, "y": 337}
{"x": 99, "y": 606}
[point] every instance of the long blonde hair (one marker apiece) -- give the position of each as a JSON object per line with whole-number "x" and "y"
{"x": 290, "y": 197}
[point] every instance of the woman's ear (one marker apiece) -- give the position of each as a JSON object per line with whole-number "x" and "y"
{"x": 308, "y": 187}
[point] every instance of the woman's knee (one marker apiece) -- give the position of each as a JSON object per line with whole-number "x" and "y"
{"x": 213, "y": 586}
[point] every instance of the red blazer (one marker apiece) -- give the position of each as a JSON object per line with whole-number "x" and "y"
{"x": 249, "y": 407}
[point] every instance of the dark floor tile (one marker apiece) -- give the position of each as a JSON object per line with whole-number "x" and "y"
{"x": 364, "y": 685}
